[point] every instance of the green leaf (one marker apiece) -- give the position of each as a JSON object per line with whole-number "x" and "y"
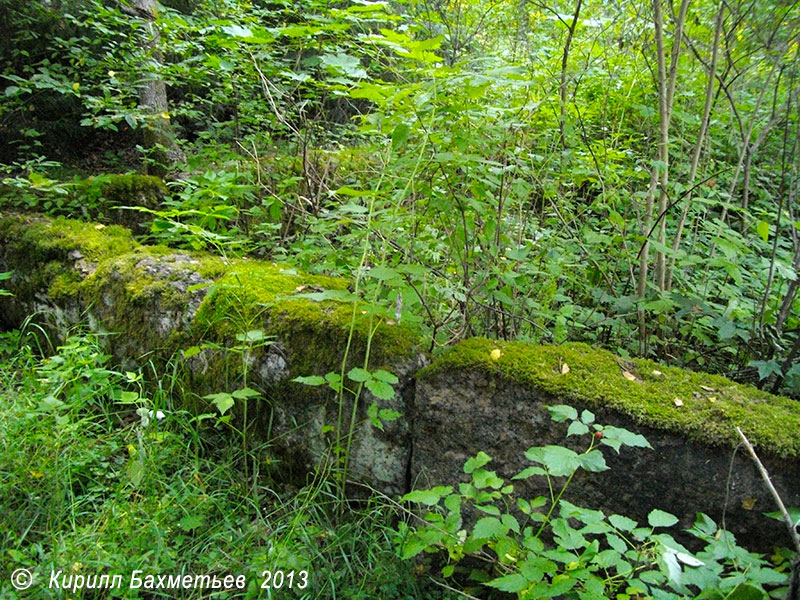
{"x": 488, "y": 527}
{"x": 192, "y": 351}
{"x": 577, "y": 428}
{"x": 348, "y": 191}
{"x": 765, "y": 367}
{"x": 251, "y": 337}
{"x": 763, "y": 230}
{"x": 476, "y": 462}
{"x": 135, "y": 472}
{"x": 400, "y": 135}
{"x": 511, "y": 522}
{"x": 344, "y": 64}
{"x": 412, "y": 546}
{"x": 387, "y": 414}
{"x": 358, "y": 374}
{"x": 615, "y": 437}
{"x": 659, "y": 518}
{"x": 622, "y": 523}
{"x": 794, "y": 514}
{"x": 245, "y": 393}
{"x": 509, "y": 583}
{"x": 382, "y": 273}
{"x": 427, "y": 497}
{"x": 530, "y": 472}
{"x": 372, "y": 413}
{"x": 380, "y": 389}
{"x": 490, "y": 509}
{"x": 310, "y": 380}
{"x": 237, "y": 31}
{"x": 593, "y": 461}
{"x": 482, "y": 479}
{"x": 382, "y": 375}
{"x": 562, "y": 412}
{"x": 616, "y": 542}
{"x": 190, "y": 522}
{"x": 128, "y": 397}
{"x": 745, "y": 592}
{"x": 222, "y": 401}
{"x": 557, "y": 460}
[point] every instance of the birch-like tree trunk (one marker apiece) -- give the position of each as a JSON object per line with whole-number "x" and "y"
{"x": 660, "y": 175}
{"x": 709, "y": 93}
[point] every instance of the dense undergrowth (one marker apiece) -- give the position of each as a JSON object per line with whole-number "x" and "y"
{"x": 514, "y": 170}
{"x": 99, "y": 477}
{"x": 102, "y": 473}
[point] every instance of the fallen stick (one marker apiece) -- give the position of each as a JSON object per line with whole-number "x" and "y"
{"x": 793, "y": 593}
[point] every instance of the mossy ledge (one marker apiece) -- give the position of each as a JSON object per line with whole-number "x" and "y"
{"x": 101, "y": 270}
{"x": 703, "y": 407}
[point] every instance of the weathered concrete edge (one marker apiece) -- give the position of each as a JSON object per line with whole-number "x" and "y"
{"x": 703, "y": 407}
{"x": 456, "y": 407}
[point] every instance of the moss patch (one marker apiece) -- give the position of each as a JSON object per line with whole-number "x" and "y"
{"x": 50, "y": 254}
{"x": 703, "y": 407}
{"x": 39, "y": 237}
{"x": 254, "y": 295}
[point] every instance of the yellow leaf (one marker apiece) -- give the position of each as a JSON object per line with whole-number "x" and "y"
{"x": 748, "y": 503}
{"x": 76, "y": 86}
{"x": 35, "y": 474}
{"x": 496, "y": 354}
{"x": 678, "y": 402}
{"x": 99, "y": 226}
{"x": 165, "y": 115}
{"x": 564, "y": 368}
{"x": 629, "y": 376}
{"x": 712, "y": 398}
{"x": 657, "y": 373}
{"x": 111, "y": 73}
{"x": 706, "y": 388}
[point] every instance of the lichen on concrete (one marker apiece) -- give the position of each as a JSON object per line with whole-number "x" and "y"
{"x": 703, "y": 407}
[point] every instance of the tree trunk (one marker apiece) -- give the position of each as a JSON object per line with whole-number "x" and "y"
{"x": 712, "y": 73}
{"x": 158, "y": 132}
{"x": 564, "y": 62}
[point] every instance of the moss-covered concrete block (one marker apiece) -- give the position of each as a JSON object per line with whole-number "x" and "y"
{"x": 156, "y": 303}
{"x": 492, "y": 396}
{"x": 99, "y": 197}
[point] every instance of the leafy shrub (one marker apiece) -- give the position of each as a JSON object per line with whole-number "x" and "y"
{"x": 547, "y": 547}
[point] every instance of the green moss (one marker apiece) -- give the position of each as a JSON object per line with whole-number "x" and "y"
{"x": 256, "y": 295}
{"x": 122, "y": 189}
{"x": 704, "y": 407}
{"x": 56, "y": 238}
{"x": 46, "y": 250}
